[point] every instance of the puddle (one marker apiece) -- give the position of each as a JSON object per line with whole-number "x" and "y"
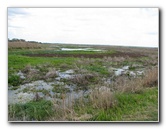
{"x": 17, "y": 96}
{"x": 21, "y": 96}
{"x": 125, "y": 67}
{"x": 132, "y": 74}
{"x": 125, "y": 70}
{"x": 21, "y": 75}
{"x": 119, "y": 72}
{"x": 14, "y": 97}
{"x": 70, "y": 71}
{"x": 79, "y": 49}
{"x": 65, "y": 75}
{"x": 40, "y": 86}
{"x": 140, "y": 73}
{"x": 69, "y": 74}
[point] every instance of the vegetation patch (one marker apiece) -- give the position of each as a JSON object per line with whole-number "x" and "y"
{"x": 84, "y": 81}
{"x": 99, "y": 69}
{"x": 31, "y": 111}
{"x": 14, "y": 80}
{"x": 60, "y": 89}
{"x": 132, "y": 107}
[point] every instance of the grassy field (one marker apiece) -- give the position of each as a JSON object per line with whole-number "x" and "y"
{"x": 101, "y": 83}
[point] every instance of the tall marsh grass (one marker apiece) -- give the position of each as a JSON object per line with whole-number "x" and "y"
{"x": 23, "y": 45}
{"x": 135, "y": 85}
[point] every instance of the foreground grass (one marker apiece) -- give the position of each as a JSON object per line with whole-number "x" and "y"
{"x": 128, "y": 107}
{"x": 31, "y": 111}
{"x": 132, "y": 107}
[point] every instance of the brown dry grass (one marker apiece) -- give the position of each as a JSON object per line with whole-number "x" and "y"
{"x": 151, "y": 77}
{"x": 142, "y": 50}
{"x": 123, "y": 84}
{"x": 102, "y": 98}
{"x": 84, "y": 79}
{"x": 23, "y": 45}
{"x": 115, "y": 59}
{"x": 84, "y": 62}
{"x": 99, "y": 98}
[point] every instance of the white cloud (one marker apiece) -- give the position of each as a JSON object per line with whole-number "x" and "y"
{"x": 114, "y": 26}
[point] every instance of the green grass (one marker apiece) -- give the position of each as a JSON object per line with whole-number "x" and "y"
{"x": 17, "y": 62}
{"x": 17, "y": 59}
{"x": 97, "y": 68}
{"x": 86, "y": 109}
{"x": 14, "y": 80}
{"x": 128, "y": 107}
{"x": 31, "y": 111}
{"x": 143, "y": 58}
{"x": 132, "y": 107}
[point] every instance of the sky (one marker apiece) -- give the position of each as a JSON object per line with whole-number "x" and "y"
{"x": 105, "y": 26}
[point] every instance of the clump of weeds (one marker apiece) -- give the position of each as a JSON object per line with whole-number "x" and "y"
{"x": 40, "y": 72}
{"x": 51, "y": 74}
{"x": 14, "y": 80}
{"x": 84, "y": 80}
{"x": 60, "y": 88}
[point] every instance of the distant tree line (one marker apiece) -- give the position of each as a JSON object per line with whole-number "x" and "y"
{"x": 21, "y": 40}
{"x": 16, "y": 40}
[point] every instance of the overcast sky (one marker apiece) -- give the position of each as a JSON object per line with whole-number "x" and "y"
{"x": 114, "y": 26}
